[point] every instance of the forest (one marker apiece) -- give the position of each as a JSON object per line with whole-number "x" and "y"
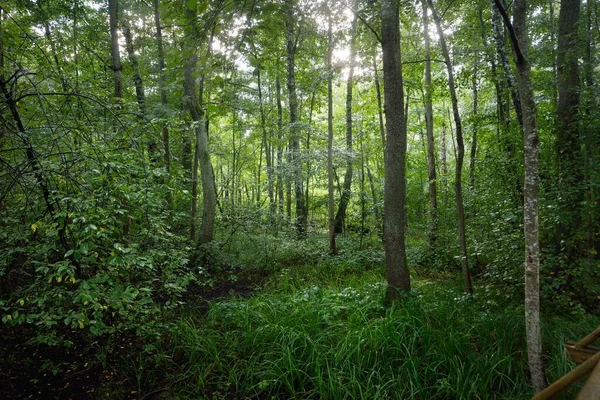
{"x": 298, "y": 199}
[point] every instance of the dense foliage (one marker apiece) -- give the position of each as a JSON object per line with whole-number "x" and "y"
{"x": 106, "y": 265}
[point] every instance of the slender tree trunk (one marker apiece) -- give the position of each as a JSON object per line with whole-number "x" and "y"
{"x": 137, "y": 76}
{"x": 346, "y": 193}
{"x": 460, "y": 157}
{"x": 397, "y": 274}
{"x": 430, "y": 139}
{"x": 301, "y": 212}
{"x": 308, "y": 137}
{"x": 510, "y": 83}
{"x": 266, "y": 145}
{"x": 48, "y": 36}
{"x": 520, "y": 39}
{"x": 113, "y": 12}
{"x": 474, "y": 142}
{"x": 330, "y": 200}
{"x": 376, "y": 211}
{"x": 279, "y": 146}
{"x": 163, "y": 98}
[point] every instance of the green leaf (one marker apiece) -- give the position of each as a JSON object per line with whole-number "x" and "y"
{"x": 191, "y": 4}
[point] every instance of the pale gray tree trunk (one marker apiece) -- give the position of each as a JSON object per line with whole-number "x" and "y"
{"x": 520, "y": 41}
{"x": 475, "y": 128}
{"x": 195, "y": 107}
{"x": 460, "y": 212}
{"x": 397, "y": 274}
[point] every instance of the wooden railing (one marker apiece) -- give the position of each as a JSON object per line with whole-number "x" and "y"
{"x": 588, "y": 357}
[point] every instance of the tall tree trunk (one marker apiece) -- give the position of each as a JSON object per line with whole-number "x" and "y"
{"x": 113, "y": 12}
{"x": 195, "y": 107}
{"x": 509, "y": 81}
{"x": 163, "y": 98}
{"x": 266, "y": 145}
{"x": 430, "y": 139}
{"x": 308, "y": 136}
{"x": 330, "y": 200}
{"x": 568, "y": 142}
{"x": 346, "y": 193}
{"x": 279, "y": 146}
{"x": 474, "y": 141}
{"x": 301, "y": 211}
{"x": 520, "y": 39}
{"x": 460, "y": 212}
{"x": 137, "y": 76}
{"x": 398, "y": 277}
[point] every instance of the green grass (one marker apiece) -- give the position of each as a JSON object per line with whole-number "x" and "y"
{"x": 321, "y": 332}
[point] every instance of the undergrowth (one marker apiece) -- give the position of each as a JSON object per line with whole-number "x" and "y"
{"x": 320, "y": 332}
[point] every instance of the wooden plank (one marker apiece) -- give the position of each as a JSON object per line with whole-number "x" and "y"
{"x": 589, "y": 339}
{"x": 569, "y": 379}
{"x": 591, "y": 389}
{"x": 578, "y": 354}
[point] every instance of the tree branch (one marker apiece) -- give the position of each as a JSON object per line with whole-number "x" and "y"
{"x": 520, "y": 58}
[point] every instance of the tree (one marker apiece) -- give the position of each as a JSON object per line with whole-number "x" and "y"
{"x": 291, "y": 46}
{"x": 163, "y": 95}
{"x": 519, "y": 38}
{"x": 397, "y": 274}
{"x": 346, "y": 191}
{"x": 330, "y": 200}
{"x": 195, "y": 107}
{"x": 430, "y": 139}
{"x": 568, "y": 143}
{"x": 460, "y": 212}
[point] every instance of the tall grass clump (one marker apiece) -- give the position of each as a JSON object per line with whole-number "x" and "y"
{"x": 329, "y": 342}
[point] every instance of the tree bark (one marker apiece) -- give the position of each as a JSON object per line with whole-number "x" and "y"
{"x": 519, "y": 39}
{"x": 509, "y": 81}
{"x": 195, "y": 107}
{"x": 568, "y": 141}
{"x": 137, "y": 76}
{"x": 266, "y": 145}
{"x": 163, "y": 98}
{"x": 474, "y": 141}
{"x": 430, "y": 139}
{"x": 398, "y": 277}
{"x": 330, "y": 200}
{"x": 279, "y": 146}
{"x": 301, "y": 211}
{"x": 462, "y": 237}
{"x": 113, "y": 12}
{"x": 346, "y": 192}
